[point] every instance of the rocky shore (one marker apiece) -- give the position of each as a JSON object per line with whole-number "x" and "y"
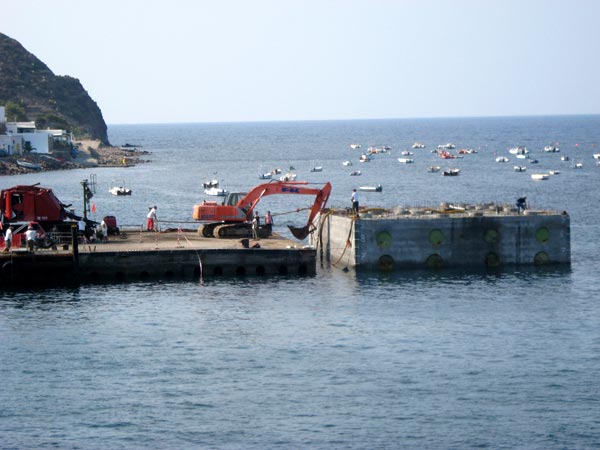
{"x": 87, "y": 154}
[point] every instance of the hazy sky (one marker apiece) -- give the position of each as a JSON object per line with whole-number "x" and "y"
{"x": 234, "y": 60}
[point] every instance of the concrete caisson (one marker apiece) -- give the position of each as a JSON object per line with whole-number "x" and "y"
{"x": 431, "y": 241}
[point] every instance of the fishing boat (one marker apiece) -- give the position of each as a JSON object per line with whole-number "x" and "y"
{"x": 406, "y": 160}
{"x": 551, "y": 149}
{"x": 216, "y": 192}
{"x": 520, "y": 168}
{"x": 539, "y": 176}
{"x": 433, "y": 169}
{"x": 210, "y": 184}
{"x": 451, "y": 172}
{"x": 407, "y": 153}
{"x": 28, "y": 165}
{"x": 377, "y": 188}
{"x": 597, "y": 156}
{"x": 519, "y": 150}
{"x": 317, "y": 169}
{"x": 554, "y": 172}
{"x": 418, "y": 145}
{"x": 355, "y": 146}
{"x": 119, "y": 190}
{"x": 289, "y": 176}
{"x": 501, "y": 159}
{"x": 356, "y": 173}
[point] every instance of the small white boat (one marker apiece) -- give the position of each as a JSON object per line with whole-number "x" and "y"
{"x": 355, "y": 146}
{"x": 317, "y": 169}
{"x": 364, "y": 158}
{"x": 377, "y": 188}
{"x": 407, "y": 153}
{"x": 501, "y": 159}
{"x": 596, "y": 155}
{"x": 28, "y": 165}
{"x": 119, "y": 190}
{"x": 520, "y": 156}
{"x": 406, "y": 160}
{"x": 276, "y": 171}
{"x": 533, "y": 161}
{"x": 210, "y": 184}
{"x": 551, "y": 149}
{"x": 216, "y": 192}
{"x": 288, "y": 177}
{"x": 578, "y": 165}
{"x": 519, "y": 150}
{"x": 356, "y": 173}
{"x": 520, "y": 168}
{"x": 451, "y": 172}
{"x": 265, "y": 176}
{"x": 447, "y": 146}
{"x": 434, "y": 169}
{"x": 418, "y": 145}
{"x": 554, "y": 172}
{"x": 564, "y": 158}
{"x": 347, "y": 163}
{"x": 539, "y": 176}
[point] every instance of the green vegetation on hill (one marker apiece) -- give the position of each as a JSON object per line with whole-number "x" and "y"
{"x": 31, "y": 91}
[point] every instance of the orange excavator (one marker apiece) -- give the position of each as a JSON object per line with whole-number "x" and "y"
{"x": 232, "y": 218}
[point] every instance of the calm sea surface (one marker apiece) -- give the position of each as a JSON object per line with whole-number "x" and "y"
{"x": 436, "y": 360}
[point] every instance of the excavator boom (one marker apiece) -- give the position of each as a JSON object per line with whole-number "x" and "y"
{"x": 241, "y": 212}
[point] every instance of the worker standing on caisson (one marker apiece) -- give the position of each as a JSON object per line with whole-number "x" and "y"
{"x": 521, "y": 204}
{"x": 8, "y": 239}
{"x": 269, "y": 222}
{"x": 354, "y": 199}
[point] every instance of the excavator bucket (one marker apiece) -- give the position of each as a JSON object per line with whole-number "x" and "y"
{"x": 299, "y": 233}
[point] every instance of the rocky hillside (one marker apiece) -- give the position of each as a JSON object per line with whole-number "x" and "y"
{"x": 30, "y": 91}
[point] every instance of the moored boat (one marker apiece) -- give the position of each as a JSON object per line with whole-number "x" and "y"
{"x": 539, "y": 176}
{"x": 406, "y": 160}
{"x": 28, "y": 165}
{"x": 119, "y": 190}
{"x": 216, "y": 192}
{"x": 377, "y": 188}
{"x": 520, "y": 168}
{"x": 451, "y": 172}
{"x": 433, "y": 169}
{"x": 356, "y": 173}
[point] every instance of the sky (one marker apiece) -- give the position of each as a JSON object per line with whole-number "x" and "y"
{"x": 180, "y": 61}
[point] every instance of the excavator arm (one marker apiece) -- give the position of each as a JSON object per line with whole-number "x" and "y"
{"x": 291, "y": 188}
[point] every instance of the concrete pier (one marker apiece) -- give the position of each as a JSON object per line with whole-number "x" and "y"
{"x": 135, "y": 256}
{"x": 420, "y": 238}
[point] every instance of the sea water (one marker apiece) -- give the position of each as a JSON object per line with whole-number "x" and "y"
{"x": 414, "y": 359}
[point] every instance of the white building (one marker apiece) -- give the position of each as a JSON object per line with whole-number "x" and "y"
{"x": 39, "y": 141}
{"x": 11, "y": 144}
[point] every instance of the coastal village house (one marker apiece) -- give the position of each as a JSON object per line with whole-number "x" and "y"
{"x": 20, "y": 136}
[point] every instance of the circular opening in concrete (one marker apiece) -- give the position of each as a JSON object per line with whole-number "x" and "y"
{"x": 383, "y": 239}
{"x": 541, "y": 258}
{"x": 542, "y": 234}
{"x": 436, "y": 237}
{"x": 492, "y": 260}
{"x": 434, "y": 261}
{"x": 491, "y": 236}
{"x": 385, "y": 263}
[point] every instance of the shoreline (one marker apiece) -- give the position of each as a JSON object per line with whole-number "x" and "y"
{"x": 89, "y": 154}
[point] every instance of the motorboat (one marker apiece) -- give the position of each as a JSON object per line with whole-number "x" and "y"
{"x": 355, "y": 146}
{"x": 210, "y": 184}
{"x": 356, "y": 173}
{"x": 406, "y": 160}
{"x": 520, "y": 168}
{"x": 551, "y": 149}
{"x": 578, "y": 165}
{"x": 520, "y": 156}
{"x": 289, "y": 176}
{"x": 418, "y": 145}
{"x": 533, "y": 161}
{"x": 597, "y": 156}
{"x": 407, "y": 153}
{"x": 501, "y": 159}
{"x": 347, "y": 163}
{"x": 434, "y": 169}
{"x": 28, "y": 165}
{"x": 564, "y": 158}
{"x": 317, "y": 169}
{"x": 447, "y": 146}
{"x": 539, "y": 176}
{"x": 265, "y": 176}
{"x": 364, "y": 158}
{"x": 377, "y": 188}
{"x": 519, "y": 150}
{"x": 451, "y": 172}
{"x": 554, "y": 172}
{"x": 216, "y": 192}
{"x": 119, "y": 190}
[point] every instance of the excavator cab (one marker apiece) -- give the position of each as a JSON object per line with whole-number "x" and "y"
{"x": 233, "y": 198}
